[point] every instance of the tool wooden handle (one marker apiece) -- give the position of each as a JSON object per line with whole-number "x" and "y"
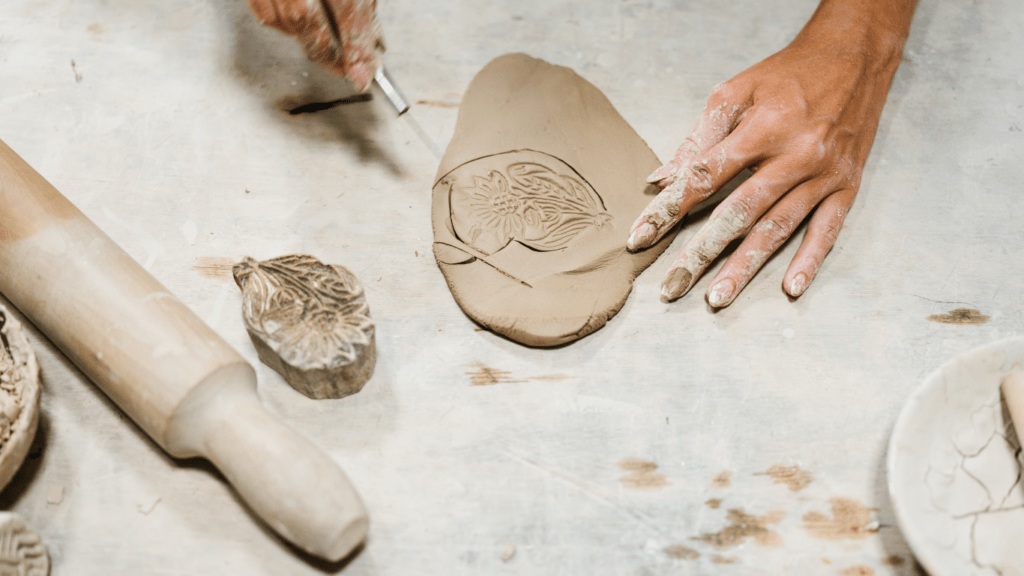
{"x": 178, "y": 379}
{"x": 1013, "y": 393}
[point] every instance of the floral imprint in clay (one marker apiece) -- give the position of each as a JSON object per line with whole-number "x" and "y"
{"x": 22, "y": 551}
{"x": 310, "y": 322}
{"x": 19, "y": 397}
{"x": 533, "y": 201}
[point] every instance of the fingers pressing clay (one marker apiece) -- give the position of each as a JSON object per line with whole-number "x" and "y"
{"x": 770, "y": 232}
{"x": 822, "y": 232}
{"x": 692, "y": 184}
{"x": 729, "y": 221}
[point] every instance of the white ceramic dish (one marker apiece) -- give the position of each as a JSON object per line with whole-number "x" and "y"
{"x": 954, "y": 468}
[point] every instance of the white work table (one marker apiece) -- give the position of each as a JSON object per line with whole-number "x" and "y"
{"x": 163, "y": 121}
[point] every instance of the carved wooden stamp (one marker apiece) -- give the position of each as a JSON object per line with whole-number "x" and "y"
{"x": 22, "y": 551}
{"x": 310, "y": 322}
{"x": 19, "y": 396}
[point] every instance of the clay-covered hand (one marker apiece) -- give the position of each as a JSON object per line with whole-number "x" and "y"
{"x": 342, "y": 35}
{"x": 803, "y": 121}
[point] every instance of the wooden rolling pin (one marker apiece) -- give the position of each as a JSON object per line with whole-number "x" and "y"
{"x": 181, "y": 382}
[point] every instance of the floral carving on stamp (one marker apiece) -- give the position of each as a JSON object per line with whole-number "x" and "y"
{"x": 309, "y": 321}
{"x": 541, "y": 207}
{"x": 22, "y": 551}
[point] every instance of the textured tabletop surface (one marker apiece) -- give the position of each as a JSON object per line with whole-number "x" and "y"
{"x": 674, "y": 440}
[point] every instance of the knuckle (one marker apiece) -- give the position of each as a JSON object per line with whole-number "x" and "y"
{"x": 727, "y": 93}
{"x": 777, "y": 228}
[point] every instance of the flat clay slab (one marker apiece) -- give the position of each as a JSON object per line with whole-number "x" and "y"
{"x": 533, "y": 201}
{"x": 310, "y": 322}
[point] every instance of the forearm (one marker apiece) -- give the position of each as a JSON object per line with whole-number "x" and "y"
{"x": 877, "y": 27}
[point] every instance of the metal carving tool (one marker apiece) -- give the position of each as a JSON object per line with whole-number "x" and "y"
{"x": 401, "y": 105}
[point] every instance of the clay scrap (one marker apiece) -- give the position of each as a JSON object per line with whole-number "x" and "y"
{"x": 19, "y": 396}
{"x": 533, "y": 201}
{"x": 310, "y": 322}
{"x": 22, "y": 551}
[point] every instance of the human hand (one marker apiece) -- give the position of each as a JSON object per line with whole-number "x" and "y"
{"x": 803, "y": 121}
{"x": 342, "y": 35}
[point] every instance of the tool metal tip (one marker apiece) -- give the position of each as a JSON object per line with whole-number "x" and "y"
{"x": 391, "y": 91}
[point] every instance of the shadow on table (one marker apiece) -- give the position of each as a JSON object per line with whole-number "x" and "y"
{"x": 276, "y": 70}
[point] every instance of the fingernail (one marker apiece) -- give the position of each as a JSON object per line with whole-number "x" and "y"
{"x": 721, "y": 293}
{"x": 798, "y": 285}
{"x": 676, "y": 284}
{"x": 642, "y": 236}
{"x": 660, "y": 174}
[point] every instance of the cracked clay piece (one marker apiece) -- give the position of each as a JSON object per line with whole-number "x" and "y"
{"x": 22, "y": 551}
{"x": 19, "y": 396}
{"x": 533, "y": 202}
{"x": 310, "y": 322}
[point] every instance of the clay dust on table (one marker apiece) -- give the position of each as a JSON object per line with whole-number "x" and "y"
{"x": 214, "y": 267}
{"x": 643, "y": 475}
{"x": 850, "y": 520}
{"x": 967, "y": 316}
{"x": 722, "y": 480}
{"x": 745, "y": 526}
{"x": 792, "y": 476}
{"x": 483, "y": 375}
{"x": 714, "y": 503}
{"x": 859, "y": 570}
{"x": 680, "y": 552}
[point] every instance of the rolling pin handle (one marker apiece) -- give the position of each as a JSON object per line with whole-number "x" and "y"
{"x": 286, "y": 480}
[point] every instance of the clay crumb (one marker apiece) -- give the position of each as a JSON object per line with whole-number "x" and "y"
{"x": 792, "y": 476}
{"x": 680, "y": 552}
{"x": 214, "y": 267}
{"x": 508, "y": 552}
{"x": 147, "y": 510}
{"x": 850, "y": 520}
{"x": 642, "y": 475}
{"x": 893, "y": 560}
{"x": 858, "y": 570}
{"x": 722, "y": 480}
{"x": 745, "y": 526}
{"x": 724, "y": 559}
{"x": 438, "y": 103}
{"x": 714, "y": 503}
{"x": 55, "y": 494}
{"x": 960, "y": 316}
{"x": 483, "y": 375}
